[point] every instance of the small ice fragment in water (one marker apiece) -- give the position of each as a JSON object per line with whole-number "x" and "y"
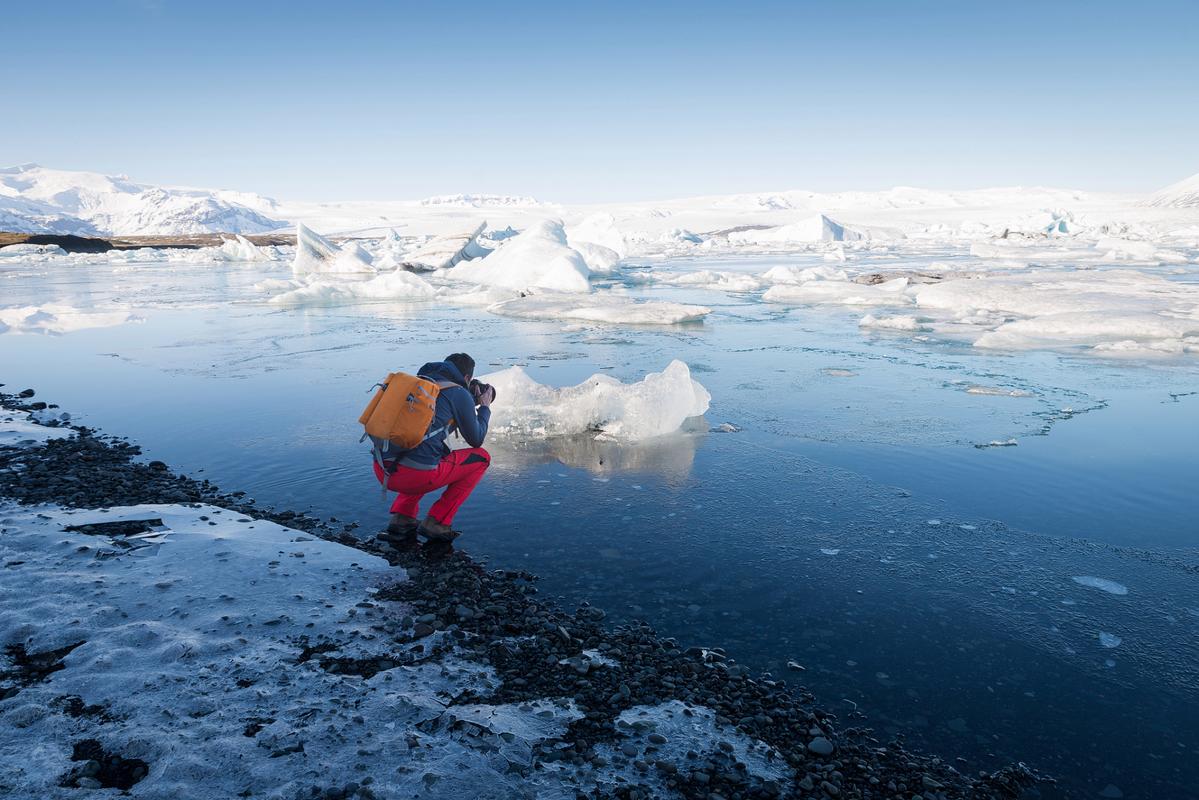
{"x": 934, "y": 522}
{"x": 1102, "y": 584}
{"x": 829, "y": 551}
{"x": 725, "y": 427}
{"x": 968, "y": 527}
{"x": 1109, "y": 663}
{"x": 1109, "y": 639}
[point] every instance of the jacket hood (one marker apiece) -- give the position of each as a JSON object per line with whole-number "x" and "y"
{"x": 442, "y": 371}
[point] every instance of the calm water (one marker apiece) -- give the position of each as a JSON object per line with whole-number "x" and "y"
{"x": 852, "y": 524}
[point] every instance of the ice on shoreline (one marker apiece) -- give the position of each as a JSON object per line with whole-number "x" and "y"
{"x": 601, "y": 405}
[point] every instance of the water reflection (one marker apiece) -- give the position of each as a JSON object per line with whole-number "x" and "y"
{"x": 669, "y": 458}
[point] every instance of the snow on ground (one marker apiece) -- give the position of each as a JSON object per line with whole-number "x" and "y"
{"x": 600, "y": 405}
{"x": 18, "y": 429}
{"x": 182, "y": 637}
{"x": 58, "y": 318}
{"x": 189, "y": 635}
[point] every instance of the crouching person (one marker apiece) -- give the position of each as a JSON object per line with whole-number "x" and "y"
{"x": 463, "y": 405}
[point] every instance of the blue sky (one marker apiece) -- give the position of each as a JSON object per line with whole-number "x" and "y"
{"x": 578, "y": 102}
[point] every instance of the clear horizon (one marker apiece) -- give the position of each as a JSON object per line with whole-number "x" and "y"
{"x": 569, "y": 105}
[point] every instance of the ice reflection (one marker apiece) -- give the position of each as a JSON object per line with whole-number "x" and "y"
{"x": 669, "y": 458}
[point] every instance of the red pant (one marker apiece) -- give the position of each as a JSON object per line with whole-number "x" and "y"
{"x": 460, "y": 472}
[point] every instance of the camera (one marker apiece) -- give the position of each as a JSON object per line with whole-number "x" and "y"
{"x": 478, "y": 389}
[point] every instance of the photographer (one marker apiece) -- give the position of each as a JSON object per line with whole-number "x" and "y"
{"x": 463, "y": 406}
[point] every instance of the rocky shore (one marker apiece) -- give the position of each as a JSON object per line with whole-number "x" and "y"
{"x": 627, "y": 713}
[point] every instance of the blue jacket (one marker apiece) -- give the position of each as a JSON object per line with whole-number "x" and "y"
{"x": 453, "y": 403}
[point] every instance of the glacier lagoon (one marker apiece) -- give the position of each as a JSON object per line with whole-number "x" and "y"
{"x": 932, "y": 529}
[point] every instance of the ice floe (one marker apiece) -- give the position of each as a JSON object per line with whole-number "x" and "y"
{"x": 1102, "y": 584}
{"x": 600, "y": 307}
{"x": 601, "y": 405}
{"x": 396, "y": 285}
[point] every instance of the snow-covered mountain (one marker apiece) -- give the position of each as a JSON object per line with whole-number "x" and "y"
{"x": 34, "y": 199}
{"x": 1184, "y": 194}
{"x": 479, "y": 200}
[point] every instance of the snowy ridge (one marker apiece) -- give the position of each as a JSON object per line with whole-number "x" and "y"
{"x": 34, "y": 199}
{"x": 1184, "y": 194}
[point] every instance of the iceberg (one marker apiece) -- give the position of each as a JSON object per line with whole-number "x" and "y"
{"x": 240, "y": 248}
{"x": 600, "y": 405}
{"x": 316, "y": 254}
{"x": 443, "y": 252}
{"x": 599, "y": 229}
{"x": 537, "y": 258}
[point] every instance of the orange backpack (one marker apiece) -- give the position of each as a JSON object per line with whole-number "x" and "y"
{"x": 399, "y": 415}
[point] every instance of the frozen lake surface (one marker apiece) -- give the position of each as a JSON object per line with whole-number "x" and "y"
{"x": 992, "y": 551}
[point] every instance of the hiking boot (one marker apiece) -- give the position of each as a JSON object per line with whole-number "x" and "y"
{"x": 401, "y": 525}
{"x": 435, "y": 531}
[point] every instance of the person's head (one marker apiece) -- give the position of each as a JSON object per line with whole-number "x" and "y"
{"x": 464, "y": 363}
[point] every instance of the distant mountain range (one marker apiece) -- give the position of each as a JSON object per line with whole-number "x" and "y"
{"x": 35, "y": 199}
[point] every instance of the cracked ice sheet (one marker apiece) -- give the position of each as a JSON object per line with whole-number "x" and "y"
{"x": 187, "y": 643}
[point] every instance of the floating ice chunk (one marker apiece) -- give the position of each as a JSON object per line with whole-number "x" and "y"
{"x": 997, "y": 391}
{"x": 56, "y": 318}
{"x": 798, "y": 275}
{"x": 1109, "y": 640}
{"x": 897, "y": 322}
{"x": 848, "y": 293}
{"x": 600, "y": 260}
{"x": 316, "y": 254}
{"x": 539, "y": 257}
{"x": 397, "y": 285}
{"x": 607, "y": 308}
{"x": 656, "y": 405}
{"x": 1102, "y": 584}
{"x": 25, "y": 250}
{"x": 707, "y": 279}
{"x": 277, "y": 285}
{"x": 240, "y": 248}
{"x": 830, "y": 551}
{"x": 443, "y": 252}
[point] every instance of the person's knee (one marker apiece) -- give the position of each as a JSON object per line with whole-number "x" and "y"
{"x": 478, "y": 456}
